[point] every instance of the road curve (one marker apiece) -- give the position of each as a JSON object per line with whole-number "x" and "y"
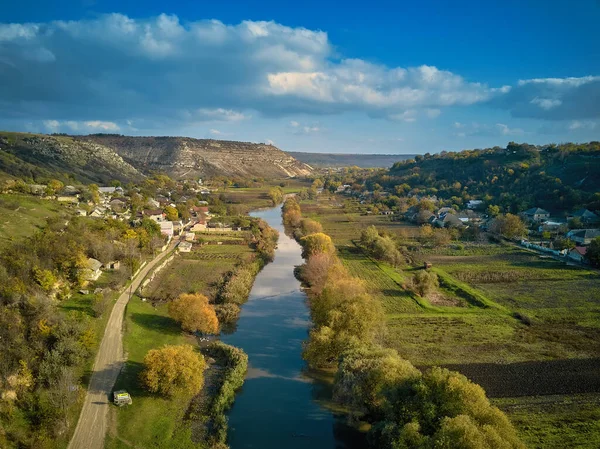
{"x": 91, "y": 427}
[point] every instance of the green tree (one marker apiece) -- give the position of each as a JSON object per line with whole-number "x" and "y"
{"x": 425, "y": 282}
{"x": 171, "y": 213}
{"x": 493, "y": 211}
{"x": 318, "y": 243}
{"x": 593, "y": 252}
{"x": 173, "y": 369}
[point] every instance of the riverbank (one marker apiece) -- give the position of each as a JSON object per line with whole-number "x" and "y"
{"x": 212, "y": 268}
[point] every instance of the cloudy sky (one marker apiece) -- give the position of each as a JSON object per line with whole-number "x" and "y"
{"x": 372, "y": 77}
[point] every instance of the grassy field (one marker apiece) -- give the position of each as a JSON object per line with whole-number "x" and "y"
{"x": 501, "y": 304}
{"x": 152, "y": 421}
{"x": 22, "y": 215}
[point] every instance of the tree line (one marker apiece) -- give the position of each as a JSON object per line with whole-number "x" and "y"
{"x": 406, "y": 408}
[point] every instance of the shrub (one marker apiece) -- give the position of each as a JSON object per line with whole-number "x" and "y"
{"x": 424, "y": 282}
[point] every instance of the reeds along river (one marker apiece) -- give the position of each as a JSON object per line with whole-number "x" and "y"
{"x": 280, "y": 406}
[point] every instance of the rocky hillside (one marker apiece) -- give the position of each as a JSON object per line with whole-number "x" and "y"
{"x": 183, "y": 157}
{"x": 39, "y": 157}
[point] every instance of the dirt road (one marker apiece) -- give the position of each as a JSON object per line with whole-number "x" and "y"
{"x": 91, "y": 427}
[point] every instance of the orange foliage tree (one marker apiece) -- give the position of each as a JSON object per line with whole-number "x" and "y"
{"x": 194, "y": 313}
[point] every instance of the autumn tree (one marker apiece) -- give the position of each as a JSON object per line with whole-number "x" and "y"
{"x": 317, "y": 243}
{"x": 509, "y": 226}
{"x": 425, "y": 282}
{"x": 54, "y": 186}
{"x": 171, "y": 213}
{"x": 194, "y": 313}
{"x": 276, "y": 195}
{"x": 173, "y": 369}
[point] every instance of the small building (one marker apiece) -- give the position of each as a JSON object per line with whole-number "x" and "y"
{"x": 153, "y": 203}
{"x": 37, "y": 189}
{"x": 185, "y": 247}
{"x": 117, "y": 204}
{"x": 81, "y": 212}
{"x": 190, "y": 236}
{"x": 68, "y": 199}
{"x": 536, "y": 214}
{"x": 583, "y": 237}
{"x": 113, "y": 265}
{"x": 586, "y": 216}
{"x": 98, "y": 212}
{"x": 577, "y": 254}
{"x": 107, "y": 191}
{"x": 92, "y": 270}
{"x": 166, "y": 228}
{"x": 154, "y": 214}
{"x": 551, "y": 226}
{"x": 199, "y": 226}
{"x": 474, "y": 204}
{"x": 448, "y": 220}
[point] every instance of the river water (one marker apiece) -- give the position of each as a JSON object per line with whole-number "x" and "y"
{"x": 280, "y": 406}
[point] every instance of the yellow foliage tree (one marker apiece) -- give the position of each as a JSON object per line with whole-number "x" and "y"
{"x": 194, "y": 313}
{"x": 173, "y": 369}
{"x": 317, "y": 243}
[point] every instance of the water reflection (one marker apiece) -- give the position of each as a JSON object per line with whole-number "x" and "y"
{"x": 281, "y": 405}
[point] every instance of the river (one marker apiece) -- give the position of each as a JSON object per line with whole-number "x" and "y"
{"x": 280, "y": 405}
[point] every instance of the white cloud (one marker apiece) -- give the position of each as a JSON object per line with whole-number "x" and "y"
{"x": 433, "y": 113}
{"x": 546, "y": 103}
{"x": 506, "y": 131}
{"x": 215, "y": 132}
{"x": 582, "y": 124}
{"x": 294, "y": 124}
{"x": 459, "y": 125}
{"x": 220, "y": 115}
{"x": 103, "y": 126}
{"x": 52, "y": 125}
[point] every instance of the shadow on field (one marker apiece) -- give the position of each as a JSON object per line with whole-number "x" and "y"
{"x": 129, "y": 379}
{"x": 164, "y": 324}
{"x": 573, "y": 376}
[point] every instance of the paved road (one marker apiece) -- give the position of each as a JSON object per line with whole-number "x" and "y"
{"x": 92, "y": 424}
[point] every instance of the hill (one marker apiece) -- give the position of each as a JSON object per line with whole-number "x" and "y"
{"x": 183, "y": 157}
{"x": 40, "y": 157}
{"x": 334, "y": 160}
{"x": 554, "y": 177}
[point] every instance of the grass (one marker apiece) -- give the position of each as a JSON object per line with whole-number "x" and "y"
{"x": 555, "y": 422}
{"x": 23, "y": 215}
{"x": 152, "y": 421}
{"x": 515, "y": 307}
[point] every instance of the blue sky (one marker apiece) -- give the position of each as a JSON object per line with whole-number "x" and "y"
{"x": 376, "y": 77}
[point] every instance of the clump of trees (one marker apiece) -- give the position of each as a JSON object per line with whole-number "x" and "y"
{"x": 173, "y": 370}
{"x": 382, "y": 247}
{"x": 410, "y": 409}
{"x": 276, "y": 195}
{"x": 194, "y": 313}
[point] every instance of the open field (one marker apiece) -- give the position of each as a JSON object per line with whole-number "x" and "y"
{"x": 555, "y": 422}
{"x": 22, "y": 215}
{"x": 198, "y": 271}
{"x": 511, "y": 306}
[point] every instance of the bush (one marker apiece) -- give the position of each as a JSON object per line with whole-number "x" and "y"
{"x": 424, "y": 282}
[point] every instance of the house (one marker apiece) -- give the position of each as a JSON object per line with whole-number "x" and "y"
{"x": 67, "y": 199}
{"x": 153, "y": 203}
{"x": 81, "y": 212}
{"x": 185, "y": 247}
{"x": 154, "y": 214}
{"x": 199, "y": 210}
{"x": 585, "y": 216}
{"x": 577, "y": 254}
{"x": 536, "y": 214}
{"x": 117, "y": 204}
{"x": 92, "y": 270}
{"x": 98, "y": 212}
{"x": 190, "y": 236}
{"x": 199, "y": 226}
{"x": 469, "y": 216}
{"x": 107, "y": 191}
{"x": 166, "y": 228}
{"x": 446, "y": 210}
{"x": 583, "y": 237}
{"x": 387, "y": 212}
{"x": 551, "y": 226}
{"x": 474, "y": 204}
{"x": 448, "y": 220}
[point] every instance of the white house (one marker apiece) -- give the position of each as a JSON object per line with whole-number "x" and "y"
{"x": 474, "y": 204}
{"x": 92, "y": 270}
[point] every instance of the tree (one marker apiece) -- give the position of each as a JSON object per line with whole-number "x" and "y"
{"x": 194, "y": 313}
{"x": 425, "y": 282}
{"x": 171, "y": 213}
{"x": 54, "y": 186}
{"x": 318, "y": 243}
{"x": 509, "y": 226}
{"x": 563, "y": 243}
{"x": 593, "y": 252}
{"x": 173, "y": 369}
{"x": 493, "y": 211}
{"x": 276, "y": 195}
